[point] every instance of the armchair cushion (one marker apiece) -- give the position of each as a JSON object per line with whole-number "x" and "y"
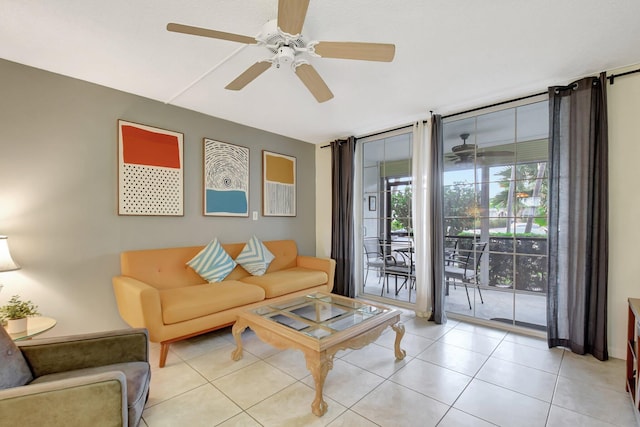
{"x": 94, "y": 400}
{"x": 14, "y": 370}
{"x": 137, "y": 376}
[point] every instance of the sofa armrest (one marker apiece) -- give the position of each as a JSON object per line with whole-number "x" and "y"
{"x": 95, "y": 400}
{"x": 61, "y": 354}
{"x": 327, "y": 265}
{"x": 139, "y": 305}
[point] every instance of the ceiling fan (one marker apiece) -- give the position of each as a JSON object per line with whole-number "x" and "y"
{"x": 283, "y": 39}
{"x": 467, "y": 153}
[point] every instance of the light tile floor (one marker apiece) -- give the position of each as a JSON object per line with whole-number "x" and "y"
{"x": 456, "y": 374}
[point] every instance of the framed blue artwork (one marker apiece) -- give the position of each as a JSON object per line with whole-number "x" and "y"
{"x": 226, "y": 179}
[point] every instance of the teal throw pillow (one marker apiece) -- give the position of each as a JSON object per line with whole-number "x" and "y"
{"x": 255, "y": 257}
{"x": 213, "y": 263}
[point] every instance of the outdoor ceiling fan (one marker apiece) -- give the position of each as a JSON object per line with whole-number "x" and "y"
{"x": 283, "y": 38}
{"x": 466, "y": 153}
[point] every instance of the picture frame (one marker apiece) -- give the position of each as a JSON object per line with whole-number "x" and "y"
{"x": 373, "y": 203}
{"x": 150, "y": 170}
{"x": 278, "y": 184}
{"x": 225, "y": 179}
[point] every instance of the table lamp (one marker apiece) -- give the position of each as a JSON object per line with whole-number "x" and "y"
{"x": 6, "y": 262}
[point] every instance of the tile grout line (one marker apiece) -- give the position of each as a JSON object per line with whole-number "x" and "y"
{"x": 555, "y": 387}
{"x": 469, "y": 383}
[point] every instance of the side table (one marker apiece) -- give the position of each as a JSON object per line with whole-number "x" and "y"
{"x": 35, "y": 326}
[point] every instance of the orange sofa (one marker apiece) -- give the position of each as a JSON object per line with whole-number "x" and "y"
{"x": 158, "y": 291}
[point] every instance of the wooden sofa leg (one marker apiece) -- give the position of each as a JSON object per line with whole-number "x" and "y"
{"x": 164, "y": 352}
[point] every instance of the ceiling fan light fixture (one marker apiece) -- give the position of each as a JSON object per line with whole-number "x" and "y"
{"x": 285, "y": 56}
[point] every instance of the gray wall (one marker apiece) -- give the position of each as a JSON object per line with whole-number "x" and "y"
{"x": 58, "y": 191}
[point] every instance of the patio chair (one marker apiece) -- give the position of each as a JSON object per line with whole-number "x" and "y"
{"x": 406, "y": 271}
{"x": 450, "y": 248}
{"x": 375, "y": 258}
{"x": 406, "y": 268}
{"x": 450, "y": 252}
{"x": 464, "y": 266}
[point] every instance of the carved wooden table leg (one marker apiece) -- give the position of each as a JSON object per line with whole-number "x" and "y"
{"x": 319, "y": 364}
{"x": 399, "y": 328}
{"x": 237, "y": 330}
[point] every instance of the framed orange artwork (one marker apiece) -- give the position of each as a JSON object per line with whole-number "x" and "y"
{"x": 150, "y": 170}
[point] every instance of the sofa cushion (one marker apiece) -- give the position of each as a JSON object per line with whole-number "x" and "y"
{"x": 212, "y": 263}
{"x": 286, "y": 253}
{"x": 138, "y": 375}
{"x": 14, "y": 370}
{"x": 286, "y": 281}
{"x": 191, "y": 302}
{"x": 255, "y": 257}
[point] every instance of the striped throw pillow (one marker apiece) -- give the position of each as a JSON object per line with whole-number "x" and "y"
{"x": 255, "y": 257}
{"x": 213, "y": 263}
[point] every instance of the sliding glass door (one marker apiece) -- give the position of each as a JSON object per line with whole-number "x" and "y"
{"x": 495, "y": 215}
{"x": 387, "y": 231}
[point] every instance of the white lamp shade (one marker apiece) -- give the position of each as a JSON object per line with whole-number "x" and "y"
{"x": 6, "y": 262}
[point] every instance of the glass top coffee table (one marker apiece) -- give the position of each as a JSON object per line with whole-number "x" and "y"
{"x": 319, "y": 325}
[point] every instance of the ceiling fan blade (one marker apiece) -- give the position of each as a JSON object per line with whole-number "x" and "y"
{"x": 464, "y": 149}
{"x": 291, "y": 14}
{"x": 354, "y": 50}
{"x": 204, "y": 32}
{"x": 249, "y": 75}
{"x": 314, "y": 82}
{"x": 494, "y": 153}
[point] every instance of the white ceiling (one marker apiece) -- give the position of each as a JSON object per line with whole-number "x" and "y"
{"x": 450, "y": 55}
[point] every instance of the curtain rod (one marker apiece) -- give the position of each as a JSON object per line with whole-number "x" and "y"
{"x": 456, "y": 114}
{"x": 380, "y": 133}
{"x": 612, "y": 77}
{"x": 494, "y": 105}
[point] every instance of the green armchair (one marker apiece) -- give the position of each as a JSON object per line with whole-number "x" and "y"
{"x": 97, "y": 379}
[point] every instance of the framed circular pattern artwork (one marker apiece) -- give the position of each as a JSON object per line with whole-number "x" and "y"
{"x": 226, "y": 179}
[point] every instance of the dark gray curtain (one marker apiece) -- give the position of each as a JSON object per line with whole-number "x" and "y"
{"x": 437, "y": 225}
{"x": 342, "y": 227}
{"x": 578, "y": 217}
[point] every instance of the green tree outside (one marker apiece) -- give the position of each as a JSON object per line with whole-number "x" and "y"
{"x": 401, "y": 210}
